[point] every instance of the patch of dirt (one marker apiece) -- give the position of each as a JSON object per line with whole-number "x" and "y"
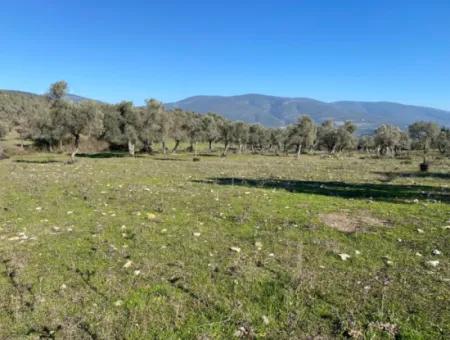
{"x": 349, "y": 224}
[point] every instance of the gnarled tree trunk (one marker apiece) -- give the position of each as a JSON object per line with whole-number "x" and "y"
{"x": 76, "y": 149}
{"x": 131, "y": 148}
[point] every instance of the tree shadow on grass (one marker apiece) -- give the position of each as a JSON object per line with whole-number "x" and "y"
{"x": 170, "y": 159}
{"x": 376, "y": 192}
{"x": 37, "y": 161}
{"x": 103, "y": 155}
{"x": 390, "y": 175}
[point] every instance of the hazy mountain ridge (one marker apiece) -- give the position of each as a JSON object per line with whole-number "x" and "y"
{"x": 281, "y": 111}
{"x": 72, "y": 97}
{"x": 275, "y": 111}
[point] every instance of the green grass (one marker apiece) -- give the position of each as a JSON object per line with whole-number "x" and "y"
{"x": 64, "y": 276}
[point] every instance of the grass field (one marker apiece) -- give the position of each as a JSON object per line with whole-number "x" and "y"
{"x": 243, "y": 246}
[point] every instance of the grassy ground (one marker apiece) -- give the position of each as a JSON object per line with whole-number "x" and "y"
{"x": 243, "y": 246}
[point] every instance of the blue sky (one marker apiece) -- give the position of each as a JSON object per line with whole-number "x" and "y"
{"x": 329, "y": 50}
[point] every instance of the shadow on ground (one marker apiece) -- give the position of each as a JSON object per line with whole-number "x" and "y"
{"x": 39, "y": 161}
{"x": 390, "y": 175}
{"x": 103, "y": 155}
{"x": 377, "y": 192}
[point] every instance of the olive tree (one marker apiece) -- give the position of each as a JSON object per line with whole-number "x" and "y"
{"x": 240, "y": 134}
{"x": 303, "y": 134}
{"x": 84, "y": 118}
{"x": 122, "y": 124}
{"x": 210, "y": 128}
{"x": 423, "y": 136}
{"x": 226, "y": 134}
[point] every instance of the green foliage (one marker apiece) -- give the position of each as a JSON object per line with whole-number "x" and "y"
{"x": 55, "y": 121}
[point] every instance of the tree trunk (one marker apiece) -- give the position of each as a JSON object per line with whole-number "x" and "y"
{"x": 177, "y": 143}
{"x": 76, "y": 149}
{"x": 299, "y": 150}
{"x": 163, "y": 145}
{"x": 148, "y": 146}
{"x": 333, "y": 150}
{"x": 225, "y": 149}
{"x": 2, "y": 155}
{"x": 131, "y": 148}
{"x": 194, "y": 146}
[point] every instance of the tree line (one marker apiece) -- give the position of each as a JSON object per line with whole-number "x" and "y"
{"x": 55, "y": 121}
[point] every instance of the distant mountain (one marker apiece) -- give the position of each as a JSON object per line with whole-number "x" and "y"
{"x": 281, "y": 111}
{"x": 71, "y": 97}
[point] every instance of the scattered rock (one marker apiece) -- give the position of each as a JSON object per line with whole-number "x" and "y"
{"x": 344, "y": 257}
{"x": 118, "y": 303}
{"x": 151, "y": 216}
{"x": 258, "y": 245}
{"x": 196, "y": 234}
{"x": 436, "y": 252}
{"x": 433, "y": 263}
{"x": 128, "y": 264}
{"x": 420, "y": 231}
{"x": 235, "y": 249}
{"x": 265, "y": 320}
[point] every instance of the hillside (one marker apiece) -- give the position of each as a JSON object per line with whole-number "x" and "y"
{"x": 280, "y": 111}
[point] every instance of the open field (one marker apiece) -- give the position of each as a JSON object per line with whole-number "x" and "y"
{"x": 243, "y": 246}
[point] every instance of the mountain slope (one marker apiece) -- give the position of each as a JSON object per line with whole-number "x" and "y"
{"x": 280, "y": 111}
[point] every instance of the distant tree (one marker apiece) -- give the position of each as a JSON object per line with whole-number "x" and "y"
{"x": 178, "y": 128}
{"x": 210, "y": 128}
{"x": 194, "y": 130}
{"x": 366, "y": 143}
{"x": 4, "y": 129}
{"x": 423, "y": 135}
{"x": 345, "y": 136}
{"x": 303, "y": 134}
{"x": 58, "y": 91}
{"x": 443, "y": 141}
{"x": 226, "y": 134}
{"x": 257, "y": 137}
{"x": 122, "y": 125}
{"x": 84, "y": 118}
{"x": 327, "y": 136}
{"x": 387, "y": 138}
{"x": 240, "y": 134}
{"x": 59, "y": 109}
{"x": 336, "y": 139}
{"x": 276, "y": 139}
{"x": 160, "y": 122}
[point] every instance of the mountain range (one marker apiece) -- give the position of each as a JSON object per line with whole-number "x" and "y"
{"x": 274, "y": 111}
{"x": 280, "y": 111}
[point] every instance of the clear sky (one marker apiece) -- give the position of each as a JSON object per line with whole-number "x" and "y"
{"x": 391, "y": 50}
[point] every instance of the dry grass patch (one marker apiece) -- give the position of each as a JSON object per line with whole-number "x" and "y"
{"x": 347, "y": 223}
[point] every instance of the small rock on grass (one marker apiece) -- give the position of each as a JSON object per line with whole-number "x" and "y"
{"x": 235, "y": 249}
{"x": 433, "y": 263}
{"x": 196, "y": 234}
{"x": 344, "y": 257}
{"x": 420, "y": 231}
{"x": 128, "y": 264}
{"x": 436, "y": 252}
